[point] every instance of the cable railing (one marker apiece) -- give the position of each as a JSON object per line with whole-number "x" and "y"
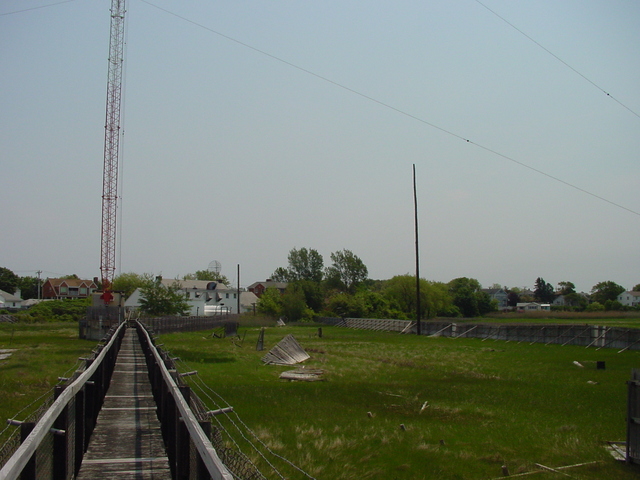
{"x": 186, "y": 433}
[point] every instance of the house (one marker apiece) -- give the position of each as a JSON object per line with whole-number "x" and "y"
{"x": 205, "y": 298}
{"x": 258, "y": 288}
{"x": 532, "y": 307}
{"x": 7, "y": 300}
{"x": 63, "y": 288}
{"x": 630, "y": 299}
{"x": 499, "y": 295}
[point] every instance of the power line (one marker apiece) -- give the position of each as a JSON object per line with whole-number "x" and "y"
{"x": 558, "y": 58}
{"x": 402, "y": 112}
{"x": 35, "y": 8}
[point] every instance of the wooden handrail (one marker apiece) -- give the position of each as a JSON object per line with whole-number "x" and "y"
{"x": 14, "y": 466}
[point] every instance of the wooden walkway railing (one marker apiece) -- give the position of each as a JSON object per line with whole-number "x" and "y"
{"x": 125, "y": 416}
{"x": 127, "y": 441}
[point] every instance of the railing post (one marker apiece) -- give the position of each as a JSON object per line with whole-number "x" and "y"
{"x": 182, "y": 439}
{"x": 29, "y": 471}
{"x": 60, "y": 441}
{"x": 201, "y": 470}
{"x": 79, "y": 430}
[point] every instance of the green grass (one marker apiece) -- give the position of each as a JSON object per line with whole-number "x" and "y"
{"x": 43, "y": 353}
{"x": 489, "y": 403}
{"x": 486, "y": 403}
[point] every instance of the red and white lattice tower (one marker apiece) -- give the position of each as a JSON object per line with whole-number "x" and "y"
{"x": 111, "y": 148}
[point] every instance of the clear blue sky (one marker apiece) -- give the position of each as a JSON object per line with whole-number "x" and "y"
{"x": 234, "y": 155}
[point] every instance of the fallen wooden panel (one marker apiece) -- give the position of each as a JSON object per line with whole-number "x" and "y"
{"x": 287, "y": 352}
{"x": 618, "y": 450}
{"x": 303, "y": 375}
{"x": 6, "y": 353}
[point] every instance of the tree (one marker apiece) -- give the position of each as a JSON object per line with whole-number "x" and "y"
{"x": 8, "y": 280}
{"x": 347, "y": 270}
{"x": 543, "y": 291}
{"x": 565, "y": 288}
{"x": 434, "y": 296}
{"x": 280, "y": 274}
{"x": 207, "y": 276}
{"x": 29, "y": 287}
{"x": 313, "y": 294}
{"x": 304, "y": 264}
{"x": 468, "y": 297}
{"x": 603, "y": 291}
{"x": 636, "y": 288}
{"x": 270, "y": 303}
{"x": 346, "y": 305}
{"x": 157, "y": 299}
{"x": 513, "y": 298}
{"x": 127, "y": 283}
{"x": 294, "y": 306}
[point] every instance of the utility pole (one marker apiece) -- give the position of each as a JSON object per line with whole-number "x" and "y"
{"x": 38, "y": 272}
{"x": 238, "y": 289}
{"x": 415, "y": 209}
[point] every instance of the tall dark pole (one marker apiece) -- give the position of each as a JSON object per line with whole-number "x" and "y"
{"x": 415, "y": 209}
{"x": 238, "y": 289}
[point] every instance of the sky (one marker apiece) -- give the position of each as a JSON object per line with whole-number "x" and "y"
{"x": 254, "y": 127}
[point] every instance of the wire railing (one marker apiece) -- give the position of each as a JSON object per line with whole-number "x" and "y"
{"x": 186, "y": 433}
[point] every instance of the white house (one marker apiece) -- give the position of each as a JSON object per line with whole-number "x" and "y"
{"x": 8, "y": 300}
{"x": 630, "y": 299}
{"x": 533, "y": 307}
{"x": 204, "y": 297}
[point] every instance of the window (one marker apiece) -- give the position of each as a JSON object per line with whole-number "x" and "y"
{"x": 227, "y": 295}
{"x": 83, "y": 290}
{"x": 63, "y": 290}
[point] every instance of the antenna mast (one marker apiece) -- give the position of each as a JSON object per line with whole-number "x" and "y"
{"x": 111, "y": 149}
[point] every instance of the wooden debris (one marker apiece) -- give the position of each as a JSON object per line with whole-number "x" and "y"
{"x": 544, "y": 467}
{"x": 578, "y": 364}
{"x": 287, "y": 352}
{"x": 300, "y": 374}
{"x": 548, "y": 469}
{"x": 618, "y": 450}
{"x": 6, "y": 353}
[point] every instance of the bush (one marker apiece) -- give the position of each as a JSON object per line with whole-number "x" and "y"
{"x": 594, "y": 307}
{"x": 55, "y": 311}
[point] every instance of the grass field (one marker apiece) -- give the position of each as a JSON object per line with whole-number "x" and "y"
{"x": 43, "y": 352}
{"x": 468, "y": 406}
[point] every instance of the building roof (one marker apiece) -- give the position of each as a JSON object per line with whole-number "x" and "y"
{"x": 631, "y": 292}
{"x": 268, "y": 284}
{"x": 194, "y": 284}
{"x": 9, "y": 297}
{"x": 70, "y": 282}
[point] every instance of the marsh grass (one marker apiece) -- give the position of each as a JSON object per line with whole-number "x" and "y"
{"x": 467, "y": 406}
{"x": 43, "y": 352}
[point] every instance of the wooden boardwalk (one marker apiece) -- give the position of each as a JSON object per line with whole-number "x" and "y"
{"x": 127, "y": 441}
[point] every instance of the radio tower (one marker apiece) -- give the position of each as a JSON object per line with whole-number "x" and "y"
{"x": 111, "y": 148}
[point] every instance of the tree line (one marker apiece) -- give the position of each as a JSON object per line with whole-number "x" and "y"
{"x": 343, "y": 289}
